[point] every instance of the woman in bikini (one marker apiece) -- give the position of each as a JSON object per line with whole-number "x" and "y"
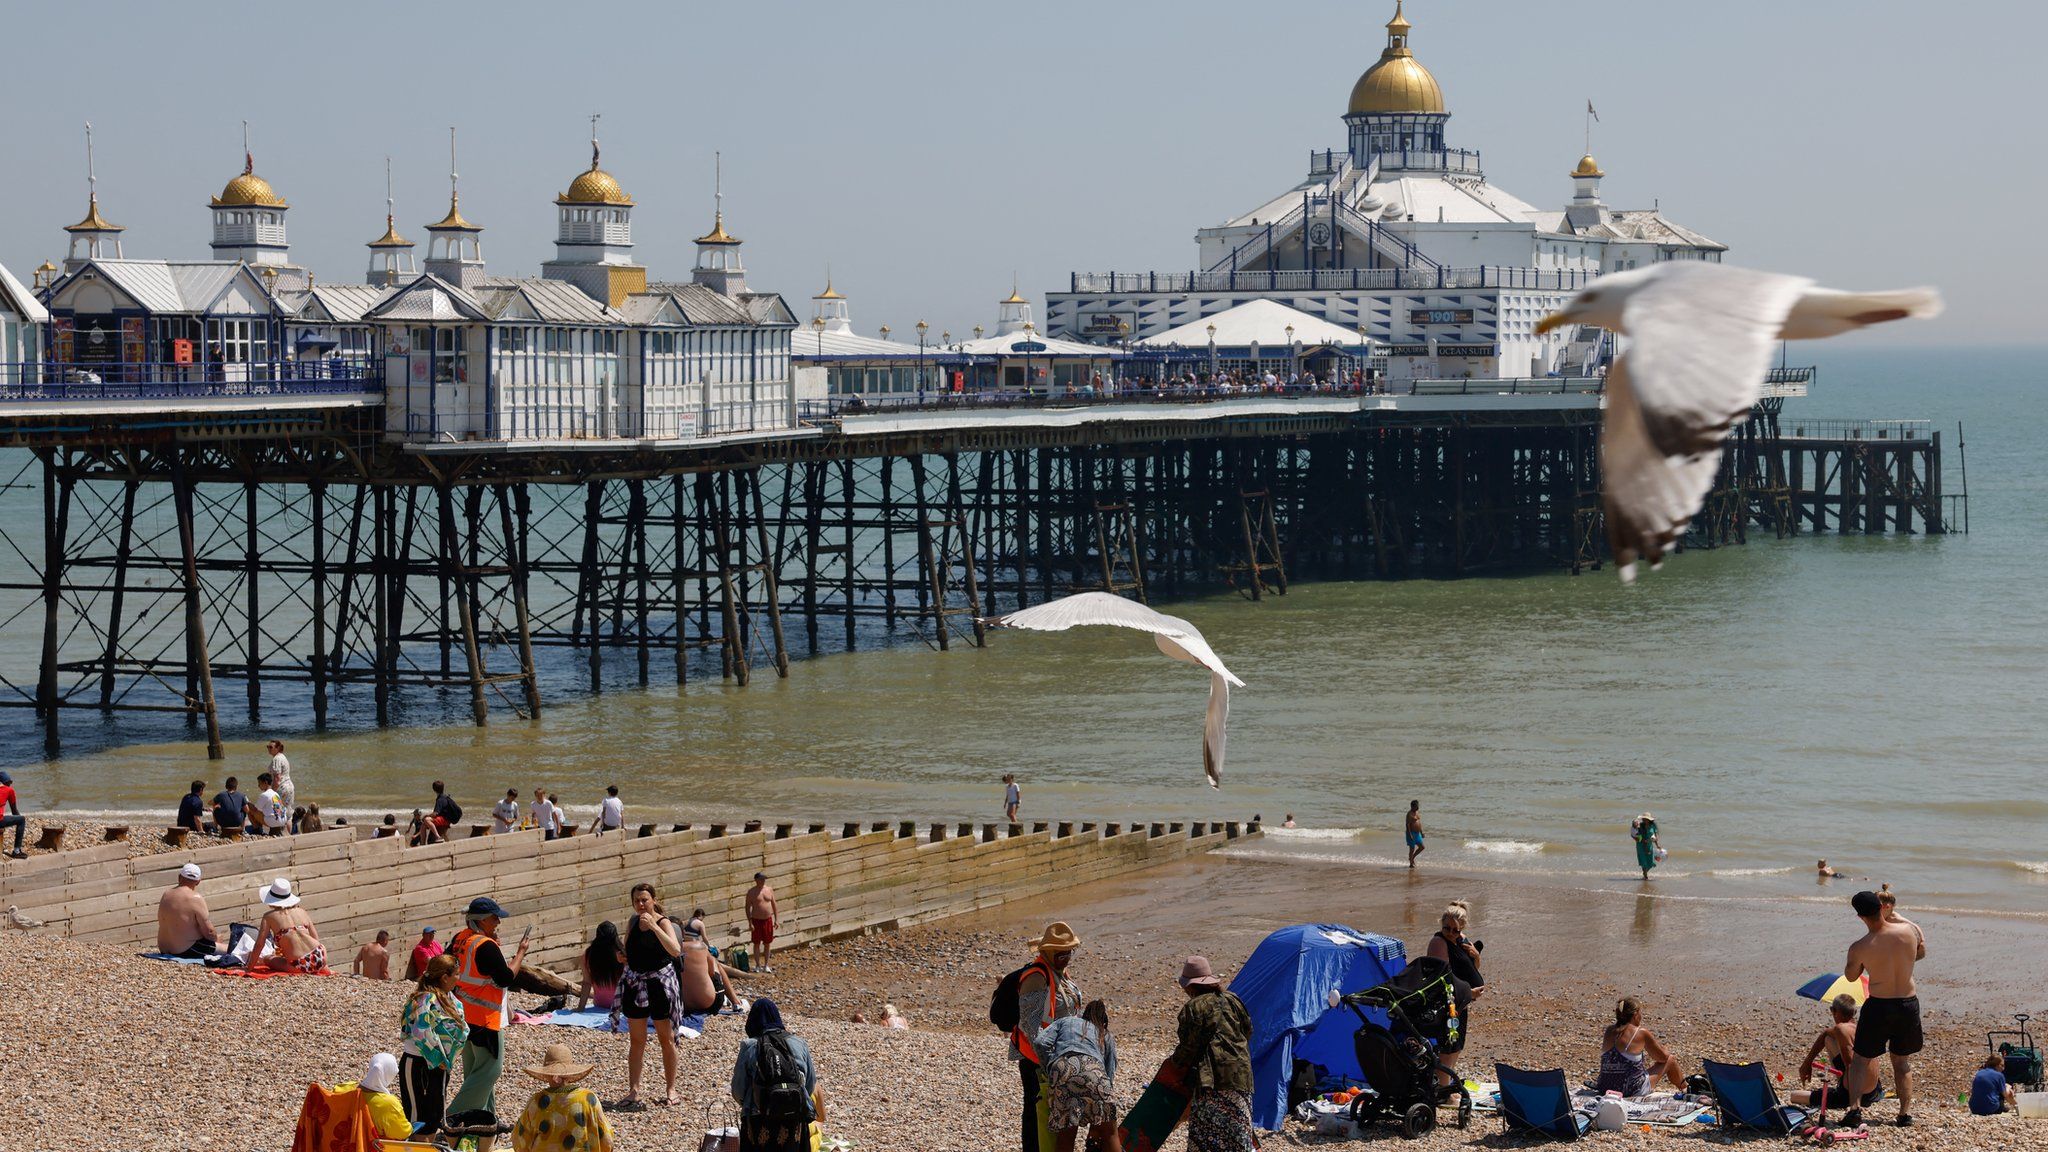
{"x": 1631, "y": 1059}
{"x": 287, "y": 925}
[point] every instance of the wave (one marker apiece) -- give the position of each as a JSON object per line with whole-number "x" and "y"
{"x": 1748, "y": 871}
{"x": 2038, "y": 867}
{"x": 1352, "y": 861}
{"x": 1278, "y": 833}
{"x": 1506, "y": 847}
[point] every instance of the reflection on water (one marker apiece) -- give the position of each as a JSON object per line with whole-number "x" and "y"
{"x": 1889, "y": 683}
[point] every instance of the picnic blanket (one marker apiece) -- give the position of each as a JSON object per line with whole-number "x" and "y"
{"x": 600, "y": 1020}
{"x": 267, "y": 973}
{"x": 172, "y": 959}
{"x": 1658, "y": 1108}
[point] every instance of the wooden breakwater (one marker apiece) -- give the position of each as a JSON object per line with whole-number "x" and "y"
{"x": 832, "y": 880}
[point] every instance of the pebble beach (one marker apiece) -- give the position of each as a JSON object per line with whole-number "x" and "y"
{"x": 111, "y": 1051}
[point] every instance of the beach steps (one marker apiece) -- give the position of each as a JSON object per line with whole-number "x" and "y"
{"x": 832, "y": 879}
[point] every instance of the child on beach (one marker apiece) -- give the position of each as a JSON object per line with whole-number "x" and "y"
{"x": 1837, "y": 1042}
{"x": 1989, "y": 1093}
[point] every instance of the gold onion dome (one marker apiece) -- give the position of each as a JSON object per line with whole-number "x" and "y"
{"x": 249, "y": 191}
{"x": 1398, "y": 83}
{"x": 718, "y": 234}
{"x": 390, "y": 238}
{"x": 1588, "y": 167}
{"x": 828, "y": 293}
{"x": 595, "y": 186}
{"x": 1016, "y": 298}
{"x": 94, "y": 222}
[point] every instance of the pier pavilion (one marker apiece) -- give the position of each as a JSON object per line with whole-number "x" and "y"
{"x": 1401, "y": 235}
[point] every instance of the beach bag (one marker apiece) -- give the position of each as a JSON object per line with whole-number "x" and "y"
{"x": 1002, "y": 1006}
{"x": 779, "y": 1080}
{"x": 454, "y": 812}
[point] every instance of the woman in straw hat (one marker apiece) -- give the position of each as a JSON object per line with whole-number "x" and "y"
{"x": 560, "y": 1114}
{"x": 1045, "y": 993}
{"x": 287, "y": 926}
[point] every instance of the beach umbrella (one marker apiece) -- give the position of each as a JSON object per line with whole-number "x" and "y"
{"x": 1174, "y": 636}
{"x": 1700, "y": 342}
{"x": 1829, "y": 985}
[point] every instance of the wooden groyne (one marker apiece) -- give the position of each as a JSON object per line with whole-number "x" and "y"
{"x": 832, "y": 880}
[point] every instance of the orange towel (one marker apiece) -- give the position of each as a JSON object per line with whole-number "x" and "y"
{"x": 333, "y": 1122}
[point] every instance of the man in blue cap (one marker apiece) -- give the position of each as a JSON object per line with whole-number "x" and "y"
{"x": 10, "y": 815}
{"x": 482, "y": 976}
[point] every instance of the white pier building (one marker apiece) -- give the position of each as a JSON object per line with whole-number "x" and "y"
{"x": 1400, "y": 238}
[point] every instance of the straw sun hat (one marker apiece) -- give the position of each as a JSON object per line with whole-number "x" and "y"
{"x": 1058, "y": 938}
{"x": 560, "y": 1062}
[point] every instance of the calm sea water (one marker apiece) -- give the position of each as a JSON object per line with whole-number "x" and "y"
{"x": 1873, "y": 700}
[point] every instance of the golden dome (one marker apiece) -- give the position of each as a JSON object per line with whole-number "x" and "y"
{"x": 1588, "y": 167}
{"x": 249, "y": 191}
{"x": 1398, "y": 83}
{"x": 718, "y": 234}
{"x": 453, "y": 221}
{"x": 94, "y": 222}
{"x": 1015, "y": 297}
{"x": 828, "y": 293}
{"x": 390, "y": 238}
{"x": 595, "y": 186}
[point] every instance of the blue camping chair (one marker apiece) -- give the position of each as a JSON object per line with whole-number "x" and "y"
{"x": 1539, "y": 1102}
{"x": 1745, "y": 1098}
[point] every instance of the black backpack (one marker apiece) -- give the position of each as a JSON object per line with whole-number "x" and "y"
{"x": 454, "y": 810}
{"x": 779, "y": 1080}
{"x": 1002, "y": 1006}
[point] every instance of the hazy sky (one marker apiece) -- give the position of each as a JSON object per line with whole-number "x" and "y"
{"x": 927, "y": 149}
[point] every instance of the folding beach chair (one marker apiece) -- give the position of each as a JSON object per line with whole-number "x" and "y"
{"x": 1539, "y": 1102}
{"x": 331, "y": 1121}
{"x": 1744, "y": 1098}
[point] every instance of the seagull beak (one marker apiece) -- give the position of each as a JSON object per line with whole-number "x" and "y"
{"x": 1551, "y": 323}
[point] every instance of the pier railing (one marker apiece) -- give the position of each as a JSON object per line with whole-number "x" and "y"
{"x": 1332, "y": 280}
{"x": 1887, "y": 430}
{"x": 58, "y": 381}
{"x": 877, "y": 403}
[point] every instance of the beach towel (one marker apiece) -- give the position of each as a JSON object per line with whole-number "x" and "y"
{"x": 600, "y": 1020}
{"x": 1663, "y": 1109}
{"x": 1158, "y": 1111}
{"x": 333, "y": 1122}
{"x": 267, "y": 973}
{"x": 173, "y": 959}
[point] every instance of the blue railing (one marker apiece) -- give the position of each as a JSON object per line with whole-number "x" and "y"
{"x": 51, "y": 381}
{"x": 1331, "y": 279}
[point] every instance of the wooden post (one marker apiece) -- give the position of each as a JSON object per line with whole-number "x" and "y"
{"x": 677, "y": 498}
{"x": 195, "y": 622}
{"x": 317, "y": 493}
{"x": 56, "y": 516}
{"x": 590, "y": 584}
{"x": 513, "y": 521}
{"x": 122, "y": 552}
{"x": 769, "y": 561}
{"x": 636, "y": 526}
{"x": 452, "y": 575}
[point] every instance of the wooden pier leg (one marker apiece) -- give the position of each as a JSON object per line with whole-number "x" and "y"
{"x": 847, "y": 534}
{"x": 384, "y": 508}
{"x": 636, "y": 524}
{"x": 734, "y": 656}
{"x": 733, "y": 497}
{"x": 451, "y": 575}
{"x": 886, "y": 503}
{"x": 814, "y": 513}
{"x": 195, "y": 621}
{"x": 252, "y": 571}
{"x": 933, "y": 575}
{"x": 678, "y": 497}
{"x": 122, "y": 552}
{"x": 317, "y": 493}
{"x": 56, "y": 517}
{"x": 444, "y": 624}
{"x": 512, "y": 518}
{"x": 590, "y": 585}
{"x": 964, "y": 529}
{"x": 1020, "y": 504}
{"x": 401, "y": 572}
{"x": 770, "y": 589}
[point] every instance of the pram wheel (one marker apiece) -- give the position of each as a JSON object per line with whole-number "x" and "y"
{"x": 1464, "y": 1109}
{"x": 1418, "y": 1119}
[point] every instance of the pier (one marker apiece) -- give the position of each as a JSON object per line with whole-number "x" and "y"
{"x": 263, "y": 538}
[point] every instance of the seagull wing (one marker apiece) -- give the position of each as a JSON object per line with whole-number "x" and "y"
{"x": 1173, "y": 636}
{"x": 1700, "y": 341}
{"x": 1823, "y": 312}
{"x": 1650, "y": 496}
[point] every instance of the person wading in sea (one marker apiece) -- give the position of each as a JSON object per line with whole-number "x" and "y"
{"x": 1890, "y": 1019}
{"x": 1414, "y": 831}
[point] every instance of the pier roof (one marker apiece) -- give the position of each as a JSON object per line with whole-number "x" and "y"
{"x": 533, "y": 298}
{"x": 167, "y": 287}
{"x": 1261, "y": 322}
{"x": 695, "y": 304}
{"x": 19, "y": 299}
{"x": 336, "y": 303}
{"x": 431, "y": 299}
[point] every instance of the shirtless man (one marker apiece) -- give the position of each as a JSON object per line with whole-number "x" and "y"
{"x": 287, "y": 926}
{"x": 374, "y": 959}
{"x": 1414, "y": 830}
{"x": 761, "y": 919}
{"x": 1890, "y": 1021}
{"x": 183, "y": 928}
{"x": 1838, "y": 1044}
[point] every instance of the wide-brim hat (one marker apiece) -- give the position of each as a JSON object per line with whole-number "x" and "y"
{"x": 278, "y": 894}
{"x": 1057, "y": 938}
{"x": 559, "y": 1062}
{"x": 1198, "y": 971}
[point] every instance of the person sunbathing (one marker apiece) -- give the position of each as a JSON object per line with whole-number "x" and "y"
{"x": 290, "y": 929}
{"x": 1631, "y": 1058}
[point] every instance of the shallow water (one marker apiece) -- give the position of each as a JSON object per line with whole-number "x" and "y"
{"x": 1873, "y": 700}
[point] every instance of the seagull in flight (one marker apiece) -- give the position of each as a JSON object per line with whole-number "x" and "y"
{"x": 1173, "y": 635}
{"x": 1700, "y": 337}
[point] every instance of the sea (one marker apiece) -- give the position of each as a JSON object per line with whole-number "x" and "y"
{"x": 1877, "y": 701}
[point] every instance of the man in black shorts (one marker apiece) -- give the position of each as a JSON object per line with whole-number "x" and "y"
{"x": 1890, "y": 1020}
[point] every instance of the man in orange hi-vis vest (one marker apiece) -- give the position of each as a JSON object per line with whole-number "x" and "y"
{"x": 482, "y": 974}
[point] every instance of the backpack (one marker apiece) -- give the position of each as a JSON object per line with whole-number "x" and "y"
{"x": 1003, "y": 1011}
{"x": 779, "y": 1080}
{"x": 454, "y": 811}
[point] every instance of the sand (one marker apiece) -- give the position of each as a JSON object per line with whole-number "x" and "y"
{"x": 106, "y": 1050}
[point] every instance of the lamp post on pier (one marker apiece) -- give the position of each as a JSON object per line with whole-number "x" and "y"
{"x": 1212, "y": 355}
{"x": 922, "y": 328}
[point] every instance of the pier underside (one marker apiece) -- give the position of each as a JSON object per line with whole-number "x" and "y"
{"x": 183, "y": 571}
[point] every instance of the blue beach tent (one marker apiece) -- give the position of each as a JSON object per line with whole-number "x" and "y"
{"x": 1286, "y": 984}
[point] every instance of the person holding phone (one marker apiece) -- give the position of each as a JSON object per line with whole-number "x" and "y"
{"x": 482, "y": 975}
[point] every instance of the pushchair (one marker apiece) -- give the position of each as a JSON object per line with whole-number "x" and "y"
{"x": 1401, "y": 1062}
{"x": 2022, "y": 1059}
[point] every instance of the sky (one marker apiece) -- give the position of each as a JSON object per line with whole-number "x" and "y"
{"x": 929, "y": 151}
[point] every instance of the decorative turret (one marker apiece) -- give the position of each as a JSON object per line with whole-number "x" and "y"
{"x": 455, "y": 247}
{"x": 718, "y": 251}
{"x": 828, "y": 310}
{"x": 1396, "y": 106}
{"x": 95, "y": 237}
{"x": 1013, "y": 314}
{"x": 594, "y": 243}
{"x": 248, "y": 217}
{"x": 1585, "y": 208}
{"x": 390, "y": 254}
